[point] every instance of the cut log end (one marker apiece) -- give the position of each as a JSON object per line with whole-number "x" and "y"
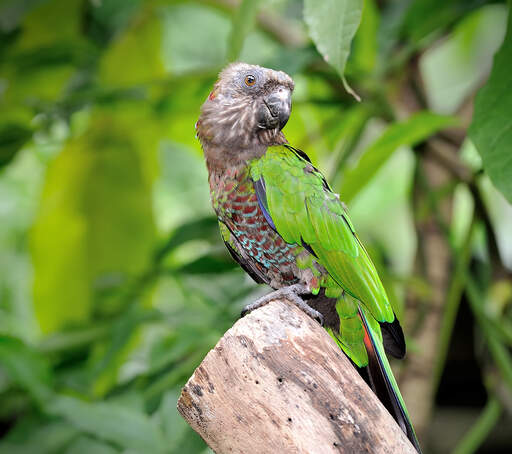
{"x": 277, "y": 382}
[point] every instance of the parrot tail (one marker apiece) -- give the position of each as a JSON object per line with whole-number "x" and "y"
{"x": 383, "y": 382}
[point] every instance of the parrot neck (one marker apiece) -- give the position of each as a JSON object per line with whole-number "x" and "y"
{"x": 223, "y": 181}
{"x": 220, "y": 159}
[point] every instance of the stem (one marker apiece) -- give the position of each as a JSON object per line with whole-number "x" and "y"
{"x": 452, "y": 304}
{"x": 481, "y": 428}
{"x": 243, "y": 21}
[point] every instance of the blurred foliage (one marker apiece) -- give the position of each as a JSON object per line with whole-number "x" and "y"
{"x": 332, "y": 25}
{"x": 114, "y": 283}
{"x": 490, "y": 129}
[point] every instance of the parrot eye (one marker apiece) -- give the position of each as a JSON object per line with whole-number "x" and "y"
{"x": 250, "y": 80}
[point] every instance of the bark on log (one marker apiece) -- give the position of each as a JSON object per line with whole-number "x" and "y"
{"x": 277, "y": 383}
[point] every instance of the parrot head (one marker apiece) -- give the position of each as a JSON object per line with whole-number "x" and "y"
{"x": 247, "y": 108}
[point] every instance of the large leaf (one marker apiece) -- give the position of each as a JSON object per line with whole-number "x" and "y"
{"x": 195, "y": 38}
{"x": 365, "y": 46}
{"x": 112, "y": 422}
{"x": 94, "y": 225}
{"x": 332, "y": 24}
{"x": 417, "y": 128}
{"x": 491, "y": 128}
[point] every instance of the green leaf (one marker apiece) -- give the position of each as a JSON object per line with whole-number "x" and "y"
{"x": 365, "y": 47}
{"x": 111, "y": 422}
{"x": 332, "y": 24}
{"x": 39, "y": 63}
{"x": 454, "y": 68}
{"x": 135, "y": 57}
{"x": 491, "y": 128}
{"x": 420, "y": 21}
{"x": 243, "y": 22}
{"x": 410, "y": 132}
{"x": 26, "y": 368}
{"x": 96, "y": 201}
{"x": 49, "y": 22}
{"x": 195, "y": 38}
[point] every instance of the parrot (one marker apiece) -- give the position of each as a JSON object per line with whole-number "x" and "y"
{"x": 285, "y": 226}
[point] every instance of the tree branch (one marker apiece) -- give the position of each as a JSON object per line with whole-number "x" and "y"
{"x": 277, "y": 382}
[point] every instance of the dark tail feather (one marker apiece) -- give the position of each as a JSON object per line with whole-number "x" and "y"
{"x": 393, "y": 338}
{"x": 381, "y": 380}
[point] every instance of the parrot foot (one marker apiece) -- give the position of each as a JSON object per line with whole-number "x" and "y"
{"x": 291, "y": 293}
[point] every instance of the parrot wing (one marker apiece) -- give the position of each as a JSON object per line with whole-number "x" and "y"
{"x": 303, "y": 210}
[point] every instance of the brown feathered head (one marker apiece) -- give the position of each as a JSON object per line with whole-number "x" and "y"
{"x": 248, "y": 107}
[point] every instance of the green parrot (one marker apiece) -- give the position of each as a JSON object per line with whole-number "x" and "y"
{"x": 284, "y": 225}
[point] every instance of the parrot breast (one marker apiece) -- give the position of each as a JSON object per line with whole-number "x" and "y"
{"x": 236, "y": 204}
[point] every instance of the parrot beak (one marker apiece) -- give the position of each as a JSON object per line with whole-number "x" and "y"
{"x": 275, "y": 109}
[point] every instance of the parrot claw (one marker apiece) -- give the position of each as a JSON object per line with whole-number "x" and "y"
{"x": 291, "y": 293}
{"x": 320, "y": 319}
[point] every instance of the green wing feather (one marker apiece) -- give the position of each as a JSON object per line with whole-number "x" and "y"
{"x": 304, "y": 209}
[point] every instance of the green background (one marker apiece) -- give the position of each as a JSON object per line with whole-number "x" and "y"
{"x": 114, "y": 282}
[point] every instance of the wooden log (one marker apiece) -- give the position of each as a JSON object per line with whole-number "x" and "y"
{"x": 277, "y": 383}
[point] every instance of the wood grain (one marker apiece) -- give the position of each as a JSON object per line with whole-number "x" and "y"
{"x": 277, "y": 383}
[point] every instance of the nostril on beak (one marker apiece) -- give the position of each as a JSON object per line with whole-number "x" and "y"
{"x": 273, "y": 106}
{"x": 278, "y": 107}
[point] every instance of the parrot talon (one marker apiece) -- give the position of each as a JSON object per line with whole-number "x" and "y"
{"x": 291, "y": 293}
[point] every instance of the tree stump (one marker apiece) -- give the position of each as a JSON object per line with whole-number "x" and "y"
{"x": 277, "y": 383}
